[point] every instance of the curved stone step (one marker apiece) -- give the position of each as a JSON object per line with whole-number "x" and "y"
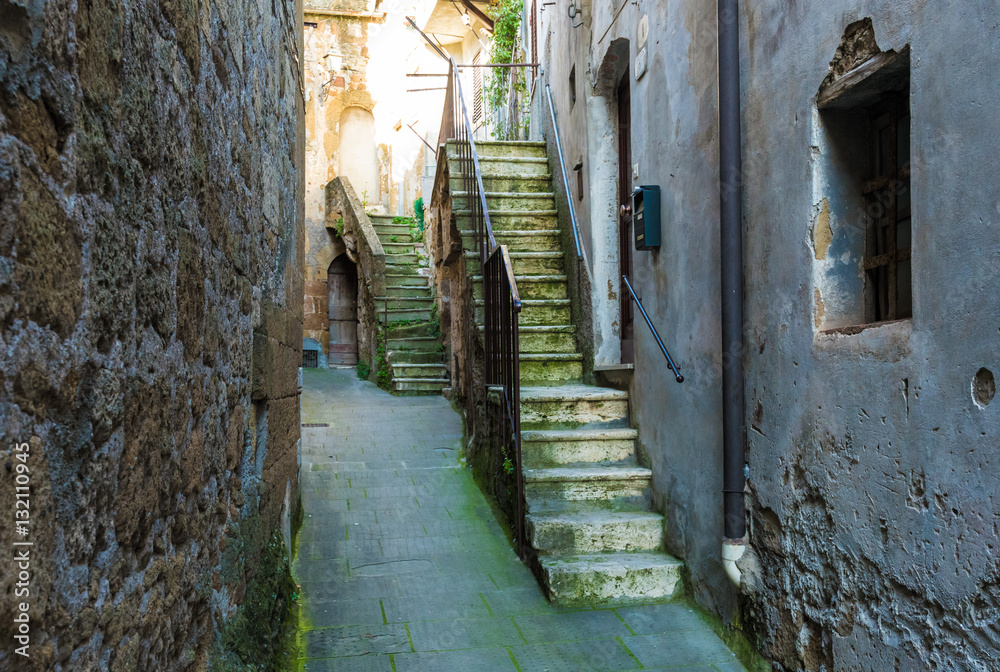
{"x": 408, "y": 291}
{"x": 415, "y": 344}
{"x": 410, "y": 279}
{"x": 503, "y": 148}
{"x": 616, "y": 579}
{"x": 573, "y": 406}
{"x": 504, "y": 220}
{"x": 415, "y": 356}
{"x": 509, "y": 165}
{"x": 568, "y": 447}
{"x": 535, "y": 312}
{"x": 595, "y": 531}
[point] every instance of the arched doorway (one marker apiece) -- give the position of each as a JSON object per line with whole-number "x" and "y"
{"x": 342, "y": 290}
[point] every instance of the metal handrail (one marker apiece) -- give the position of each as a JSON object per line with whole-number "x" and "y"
{"x": 562, "y": 166}
{"x": 656, "y": 335}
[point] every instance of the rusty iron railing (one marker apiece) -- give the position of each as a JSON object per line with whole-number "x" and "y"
{"x": 502, "y": 303}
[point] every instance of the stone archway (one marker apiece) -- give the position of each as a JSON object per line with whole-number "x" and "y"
{"x": 342, "y": 288}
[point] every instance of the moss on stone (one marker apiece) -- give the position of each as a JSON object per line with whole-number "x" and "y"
{"x": 256, "y": 637}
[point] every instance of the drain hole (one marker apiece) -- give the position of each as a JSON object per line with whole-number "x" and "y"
{"x": 984, "y": 388}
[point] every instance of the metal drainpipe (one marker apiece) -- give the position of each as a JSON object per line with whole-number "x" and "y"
{"x": 731, "y": 228}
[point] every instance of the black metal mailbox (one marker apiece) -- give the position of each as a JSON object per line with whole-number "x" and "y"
{"x": 646, "y": 217}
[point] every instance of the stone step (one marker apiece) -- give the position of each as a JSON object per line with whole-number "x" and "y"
{"x": 408, "y": 314}
{"x": 392, "y": 230}
{"x": 504, "y": 220}
{"x": 526, "y": 263}
{"x": 624, "y": 488}
{"x": 617, "y": 579}
{"x": 508, "y": 201}
{"x": 522, "y": 184}
{"x": 531, "y": 286}
{"x": 405, "y": 303}
{"x": 423, "y": 329}
{"x": 414, "y": 291}
{"x": 578, "y": 447}
{"x": 536, "y": 312}
{"x": 400, "y": 259}
{"x": 545, "y": 338}
{"x": 515, "y": 165}
{"x": 551, "y": 368}
{"x": 417, "y": 370}
{"x": 428, "y": 385}
{"x": 503, "y": 148}
{"x": 431, "y": 356}
{"x": 532, "y": 240}
{"x": 595, "y": 531}
{"x": 396, "y": 248}
{"x": 572, "y": 407}
{"x": 411, "y": 279}
{"x": 415, "y": 344}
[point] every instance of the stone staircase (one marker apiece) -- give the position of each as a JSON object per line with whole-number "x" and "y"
{"x": 414, "y": 352}
{"x": 589, "y": 514}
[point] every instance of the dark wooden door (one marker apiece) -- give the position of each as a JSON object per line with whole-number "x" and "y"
{"x": 625, "y": 217}
{"x": 342, "y": 288}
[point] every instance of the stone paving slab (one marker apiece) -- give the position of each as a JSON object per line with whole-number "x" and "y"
{"x": 402, "y": 567}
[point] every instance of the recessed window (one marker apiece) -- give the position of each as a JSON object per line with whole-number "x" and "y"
{"x": 861, "y": 231}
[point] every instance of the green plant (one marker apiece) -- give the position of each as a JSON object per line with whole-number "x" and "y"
{"x": 338, "y": 226}
{"x": 418, "y": 212}
{"x": 364, "y": 198}
{"x": 364, "y": 369}
{"x": 392, "y": 239}
{"x": 506, "y": 15}
{"x": 383, "y": 376}
{"x": 508, "y": 466}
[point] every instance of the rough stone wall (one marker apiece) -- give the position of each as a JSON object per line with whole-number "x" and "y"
{"x": 874, "y": 507}
{"x": 150, "y": 320}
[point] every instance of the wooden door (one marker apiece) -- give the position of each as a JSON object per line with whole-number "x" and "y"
{"x": 625, "y": 217}
{"x": 342, "y": 288}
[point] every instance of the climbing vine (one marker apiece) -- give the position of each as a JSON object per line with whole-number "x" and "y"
{"x": 506, "y": 15}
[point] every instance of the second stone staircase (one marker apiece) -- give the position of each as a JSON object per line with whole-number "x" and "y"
{"x": 589, "y": 513}
{"x": 413, "y": 350}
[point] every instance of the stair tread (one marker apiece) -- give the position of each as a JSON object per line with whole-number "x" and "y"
{"x": 551, "y": 356}
{"x": 530, "y": 233}
{"x": 535, "y": 302}
{"x": 420, "y": 380}
{"x": 561, "y": 474}
{"x": 618, "y": 559}
{"x": 599, "y": 517}
{"x": 511, "y": 194}
{"x": 530, "y": 278}
{"x": 572, "y": 392}
{"x": 417, "y": 365}
{"x": 547, "y": 329}
{"x": 619, "y": 433}
{"x": 510, "y": 213}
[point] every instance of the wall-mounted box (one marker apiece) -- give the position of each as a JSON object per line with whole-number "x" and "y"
{"x": 646, "y": 217}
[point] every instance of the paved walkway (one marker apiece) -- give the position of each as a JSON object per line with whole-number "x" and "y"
{"x": 403, "y": 567}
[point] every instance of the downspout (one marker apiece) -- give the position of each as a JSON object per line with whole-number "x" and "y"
{"x": 734, "y": 542}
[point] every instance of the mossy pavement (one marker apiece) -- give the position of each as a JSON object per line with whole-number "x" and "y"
{"x": 401, "y": 565}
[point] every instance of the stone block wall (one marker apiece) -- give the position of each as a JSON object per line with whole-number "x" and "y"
{"x": 151, "y": 247}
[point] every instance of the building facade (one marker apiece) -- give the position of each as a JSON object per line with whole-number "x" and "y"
{"x": 871, "y": 253}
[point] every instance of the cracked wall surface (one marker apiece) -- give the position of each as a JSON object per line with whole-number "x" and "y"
{"x": 150, "y": 317}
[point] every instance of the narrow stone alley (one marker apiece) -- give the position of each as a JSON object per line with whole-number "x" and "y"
{"x": 402, "y": 566}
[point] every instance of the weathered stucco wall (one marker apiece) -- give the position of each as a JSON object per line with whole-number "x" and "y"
{"x": 873, "y": 468}
{"x": 150, "y": 325}
{"x": 872, "y": 482}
